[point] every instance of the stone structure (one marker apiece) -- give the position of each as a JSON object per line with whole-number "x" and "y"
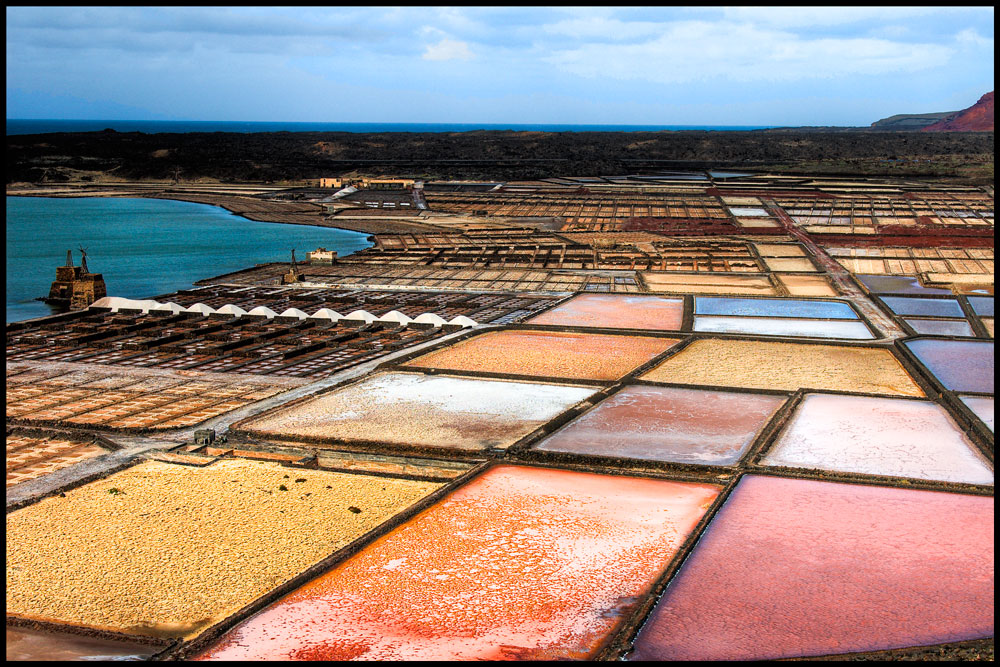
{"x": 322, "y": 256}
{"x": 368, "y": 183}
{"x": 75, "y": 286}
{"x": 293, "y": 275}
{"x": 204, "y": 436}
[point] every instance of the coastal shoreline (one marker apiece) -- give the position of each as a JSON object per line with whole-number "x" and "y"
{"x": 239, "y": 200}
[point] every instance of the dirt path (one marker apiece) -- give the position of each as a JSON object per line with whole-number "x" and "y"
{"x": 838, "y": 274}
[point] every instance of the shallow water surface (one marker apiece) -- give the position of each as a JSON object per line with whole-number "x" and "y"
{"x": 143, "y": 247}
{"x": 795, "y": 567}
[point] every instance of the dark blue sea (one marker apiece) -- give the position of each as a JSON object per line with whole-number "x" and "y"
{"x": 22, "y": 126}
{"x": 143, "y": 247}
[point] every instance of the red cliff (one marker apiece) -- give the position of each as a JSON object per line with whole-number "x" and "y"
{"x": 977, "y": 118}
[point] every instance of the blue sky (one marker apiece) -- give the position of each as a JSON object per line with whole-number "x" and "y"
{"x": 610, "y": 65}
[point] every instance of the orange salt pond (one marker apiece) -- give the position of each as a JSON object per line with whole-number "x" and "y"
{"x": 548, "y": 354}
{"x": 616, "y": 312}
{"x": 520, "y": 563}
{"x": 795, "y": 567}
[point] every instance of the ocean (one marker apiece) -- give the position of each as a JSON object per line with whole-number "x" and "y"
{"x": 33, "y": 126}
{"x": 143, "y": 247}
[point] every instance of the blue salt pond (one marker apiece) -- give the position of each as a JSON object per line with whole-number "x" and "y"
{"x": 940, "y": 327}
{"x": 902, "y": 305}
{"x": 774, "y": 308}
{"x": 960, "y": 365}
{"x": 767, "y": 326}
{"x": 983, "y": 305}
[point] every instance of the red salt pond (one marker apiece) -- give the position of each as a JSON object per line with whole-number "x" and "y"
{"x": 520, "y": 563}
{"x": 668, "y": 424}
{"x": 616, "y": 312}
{"x": 794, "y": 567}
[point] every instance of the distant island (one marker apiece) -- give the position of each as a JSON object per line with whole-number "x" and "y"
{"x": 297, "y": 157}
{"x": 956, "y": 146}
{"x": 977, "y": 118}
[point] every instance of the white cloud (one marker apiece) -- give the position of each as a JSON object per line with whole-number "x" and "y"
{"x": 800, "y": 17}
{"x": 602, "y": 28}
{"x": 698, "y": 50}
{"x": 970, "y": 37}
{"x": 448, "y": 49}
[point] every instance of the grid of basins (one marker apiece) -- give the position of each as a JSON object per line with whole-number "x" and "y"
{"x": 582, "y": 212}
{"x": 804, "y": 318}
{"x": 634, "y": 487}
{"x": 35, "y": 454}
{"x": 93, "y": 397}
{"x": 665, "y": 265}
{"x": 289, "y": 346}
{"x": 407, "y": 593}
{"x": 679, "y": 424}
{"x": 553, "y": 252}
{"x": 928, "y": 311}
{"x": 482, "y": 308}
{"x": 378, "y": 276}
{"x": 603, "y": 262}
{"x": 878, "y": 215}
{"x": 973, "y": 266}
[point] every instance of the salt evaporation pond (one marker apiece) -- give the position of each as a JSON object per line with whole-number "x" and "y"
{"x": 797, "y": 567}
{"x": 520, "y": 563}
{"x": 878, "y": 436}
{"x": 669, "y": 424}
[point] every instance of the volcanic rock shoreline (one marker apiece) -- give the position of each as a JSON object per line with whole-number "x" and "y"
{"x": 274, "y": 157}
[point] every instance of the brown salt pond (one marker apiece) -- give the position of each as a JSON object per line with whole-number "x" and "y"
{"x": 799, "y": 285}
{"x": 878, "y": 436}
{"x": 548, "y": 354}
{"x": 794, "y": 567}
{"x": 668, "y": 424}
{"x": 709, "y": 283}
{"x": 167, "y": 550}
{"x": 520, "y": 563}
{"x": 24, "y": 644}
{"x": 790, "y": 264}
{"x": 616, "y": 312}
{"x": 780, "y": 250}
{"x": 30, "y": 457}
{"x": 434, "y": 411}
{"x": 786, "y": 366}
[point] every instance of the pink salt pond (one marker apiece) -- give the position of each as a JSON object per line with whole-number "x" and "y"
{"x": 668, "y": 424}
{"x": 878, "y": 436}
{"x": 794, "y": 567}
{"x": 520, "y": 563}
{"x": 616, "y": 312}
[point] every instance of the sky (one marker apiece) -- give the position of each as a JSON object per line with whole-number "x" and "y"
{"x": 589, "y": 65}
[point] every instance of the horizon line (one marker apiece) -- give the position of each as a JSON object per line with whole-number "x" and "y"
{"x": 396, "y": 122}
